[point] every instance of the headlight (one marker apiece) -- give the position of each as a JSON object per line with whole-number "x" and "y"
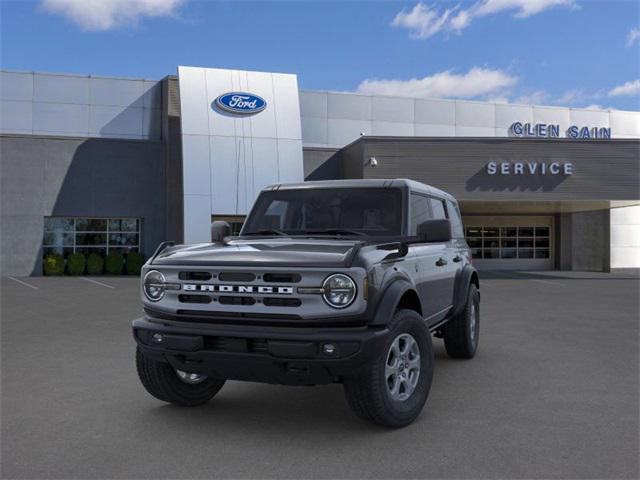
{"x": 339, "y": 290}
{"x": 154, "y": 285}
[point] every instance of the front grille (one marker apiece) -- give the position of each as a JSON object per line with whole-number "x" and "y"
{"x": 282, "y": 277}
{"x": 200, "y": 315}
{"x": 229, "y": 300}
{"x": 282, "y": 302}
{"x": 194, "y": 298}
{"x": 236, "y": 277}
{"x": 197, "y": 276}
{"x": 236, "y": 345}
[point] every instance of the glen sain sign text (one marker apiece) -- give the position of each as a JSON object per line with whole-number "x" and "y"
{"x": 547, "y": 130}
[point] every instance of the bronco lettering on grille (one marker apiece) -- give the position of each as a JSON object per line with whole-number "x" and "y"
{"x": 261, "y": 289}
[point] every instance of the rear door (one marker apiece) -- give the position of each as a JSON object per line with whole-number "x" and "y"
{"x": 448, "y": 261}
{"x": 425, "y": 261}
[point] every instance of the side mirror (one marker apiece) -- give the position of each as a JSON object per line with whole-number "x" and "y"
{"x": 436, "y": 231}
{"x": 219, "y": 230}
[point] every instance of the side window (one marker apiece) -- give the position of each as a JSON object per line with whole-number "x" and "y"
{"x": 419, "y": 212}
{"x": 437, "y": 206}
{"x": 456, "y": 222}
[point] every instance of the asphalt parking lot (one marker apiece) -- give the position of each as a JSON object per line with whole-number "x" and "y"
{"x": 552, "y": 393}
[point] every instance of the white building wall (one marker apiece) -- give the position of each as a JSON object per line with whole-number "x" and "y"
{"x": 625, "y": 237}
{"x": 227, "y": 158}
{"x": 79, "y": 106}
{"x": 335, "y": 119}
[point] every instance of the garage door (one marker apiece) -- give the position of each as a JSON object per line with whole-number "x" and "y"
{"x": 511, "y": 243}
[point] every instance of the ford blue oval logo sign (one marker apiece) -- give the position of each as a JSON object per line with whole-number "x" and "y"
{"x": 240, "y": 103}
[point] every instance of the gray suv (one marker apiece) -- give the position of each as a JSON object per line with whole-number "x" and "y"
{"x": 327, "y": 282}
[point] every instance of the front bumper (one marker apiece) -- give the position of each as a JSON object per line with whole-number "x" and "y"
{"x": 282, "y": 355}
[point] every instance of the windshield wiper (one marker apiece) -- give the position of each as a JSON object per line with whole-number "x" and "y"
{"x": 336, "y": 231}
{"x": 267, "y": 231}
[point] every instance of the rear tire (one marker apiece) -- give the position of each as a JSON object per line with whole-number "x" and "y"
{"x": 462, "y": 332}
{"x": 163, "y": 382}
{"x": 374, "y": 394}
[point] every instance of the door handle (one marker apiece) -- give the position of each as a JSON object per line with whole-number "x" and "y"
{"x": 457, "y": 258}
{"x": 441, "y": 262}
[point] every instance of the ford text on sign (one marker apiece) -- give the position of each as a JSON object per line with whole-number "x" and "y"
{"x": 240, "y": 103}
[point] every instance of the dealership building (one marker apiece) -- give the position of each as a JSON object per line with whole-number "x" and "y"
{"x": 106, "y": 164}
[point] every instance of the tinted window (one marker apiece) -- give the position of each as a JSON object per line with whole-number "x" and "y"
{"x": 371, "y": 211}
{"x": 419, "y": 212}
{"x": 456, "y": 221}
{"x": 437, "y": 206}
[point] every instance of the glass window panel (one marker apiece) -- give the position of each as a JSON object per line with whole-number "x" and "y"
{"x": 127, "y": 225}
{"x": 491, "y": 243}
{"x": 525, "y": 243}
{"x": 491, "y": 253}
{"x": 491, "y": 231}
{"x": 525, "y": 231}
{"x": 91, "y": 239}
{"x": 542, "y": 231}
{"x": 474, "y": 232}
{"x": 474, "y": 242}
{"x": 542, "y": 253}
{"x": 236, "y": 227}
{"x": 438, "y": 209}
{"x": 508, "y": 231}
{"x": 508, "y": 243}
{"x": 476, "y": 253}
{"x": 456, "y": 220}
{"x": 116, "y": 239}
{"x": 58, "y": 237}
{"x": 525, "y": 253}
{"x": 542, "y": 242}
{"x": 419, "y": 212}
{"x": 508, "y": 253}
{"x": 91, "y": 225}
{"x": 58, "y": 223}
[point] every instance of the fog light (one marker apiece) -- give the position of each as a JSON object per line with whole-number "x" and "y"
{"x": 157, "y": 338}
{"x": 329, "y": 348}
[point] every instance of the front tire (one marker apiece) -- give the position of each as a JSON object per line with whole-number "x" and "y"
{"x": 462, "y": 332}
{"x": 393, "y": 389}
{"x": 169, "y": 385}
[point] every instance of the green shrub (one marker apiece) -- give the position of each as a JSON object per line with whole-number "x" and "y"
{"x": 134, "y": 262}
{"x": 76, "y": 263}
{"x": 53, "y": 264}
{"x": 95, "y": 264}
{"x": 113, "y": 263}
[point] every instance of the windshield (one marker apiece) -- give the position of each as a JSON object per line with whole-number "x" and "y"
{"x": 336, "y": 211}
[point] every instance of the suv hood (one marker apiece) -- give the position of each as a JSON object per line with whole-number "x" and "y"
{"x": 271, "y": 252}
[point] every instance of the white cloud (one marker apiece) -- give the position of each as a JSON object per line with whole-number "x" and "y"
{"x": 629, "y": 88}
{"x": 595, "y": 106}
{"x": 423, "y": 21}
{"x": 100, "y": 15}
{"x": 538, "y": 97}
{"x": 475, "y": 83}
{"x": 633, "y": 36}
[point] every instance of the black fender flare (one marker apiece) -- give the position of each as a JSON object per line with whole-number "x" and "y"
{"x": 388, "y": 303}
{"x": 466, "y": 277}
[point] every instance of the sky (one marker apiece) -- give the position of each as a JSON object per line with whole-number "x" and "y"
{"x": 547, "y": 52}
